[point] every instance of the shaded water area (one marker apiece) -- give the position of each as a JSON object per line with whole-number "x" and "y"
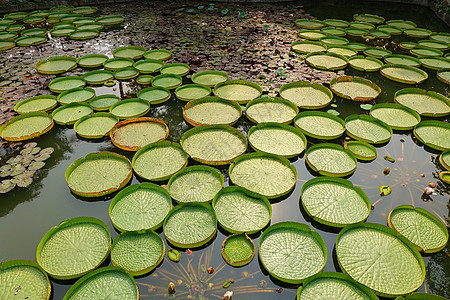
{"x": 245, "y": 48}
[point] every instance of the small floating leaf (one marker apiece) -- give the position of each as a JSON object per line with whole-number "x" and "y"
{"x": 385, "y": 190}
{"x": 173, "y": 255}
{"x": 227, "y": 283}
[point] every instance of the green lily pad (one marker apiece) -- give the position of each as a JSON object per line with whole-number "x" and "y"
{"x": 445, "y": 176}
{"x": 343, "y": 50}
{"x": 26, "y": 126}
{"x": 70, "y": 113}
{"x": 76, "y": 95}
{"x": 333, "y": 41}
{"x": 159, "y": 161}
{"x": 126, "y": 73}
{"x": 140, "y": 207}
{"x": 319, "y": 125}
{"x": 292, "y": 252}
{"x": 306, "y": 95}
{"x": 267, "y": 174}
{"x": 444, "y": 75}
{"x": 89, "y": 247}
{"x": 133, "y": 134}
{"x": 7, "y": 44}
{"x": 95, "y": 126}
{"x": 404, "y": 74}
{"x": 425, "y": 51}
{"x": 159, "y": 54}
{"x": 336, "y": 23}
{"x": 112, "y": 281}
{"x": 393, "y": 30}
{"x": 402, "y": 24}
{"x": 368, "y": 129}
{"x": 362, "y": 25}
{"x": 355, "y": 88}
{"x": 83, "y": 34}
{"x": 442, "y": 36}
{"x": 114, "y": 64}
{"x": 421, "y": 296}
{"x": 369, "y": 18}
{"x": 306, "y": 47}
{"x": 444, "y": 159}
{"x": 56, "y": 65}
{"x": 144, "y": 79}
{"x": 377, "y": 52}
{"x": 271, "y": 110}
{"x": 311, "y": 34}
{"x": 7, "y": 35}
{"x": 92, "y": 60}
{"x": 238, "y": 250}
{"x": 420, "y": 227}
{"x": 376, "y": 257}
{"x": 133, "y": 52}
{"x": 98, "y": 76}
{"x": 62, "y": 30}
{"x": 407, "y": 45}
{"x": 154, "y": 95}
{"x": 334, "y": 201}
{"x": 110, "y": 20}
{"x": 34, "y": 104}
{"x": 214, "y": 144}
{"x": 426, "y": 103}
{"x": 331, "y": 160}
{"x": 435, "y": 63}
{"x": 168, "y": 81}
{"x": 398, "y": 59}
{"x": 380, "y": 34}
{"x": 130, "y": 108}
{"x": 103, "y": 102}
{"x": 334, "y": 31}
{"x": 361, "y": 150}
{"x": 240, "y": 91}
{"x": 397, "y": 116}
{"x": 309, "y": 23}
{"x": 417, "y": 32}
{"x": 24, "y": 279}
{"x": 211, "y": 111}
{"x": 353, "y": 31}
{"x": 434, "y": 134}
{"x": 362, "y": 63}
{"x": 195, "y": 184}
{"x": 190, "y": 92}
{"x": 148, "y": 66}
{"x": 209, "y": 78}
{"x": 190, "y": 225}
{"x": 238, "y": 210}
{"x": 137, "y": 252}
{"x": 61, "y": 84}
{"x": 277, "y": 138}
{"x": 175, "y": 68}
{"x": 326, "y": 61}
{"x": 439, "y": 45}
{"x": 27, "y": 41}
{"x": 85, "y": 10}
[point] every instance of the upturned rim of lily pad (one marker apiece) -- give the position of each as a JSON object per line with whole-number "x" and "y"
{"x": 195, "y": 76}
{"x": 102, "y": 58}
{"x": 144, "y": 79}
{"x": 334, "y": 147}
{"x": 29, "y": 136}
{"x": 320, "y": 67}
{"x": 116, "y": 59}
{"x": 425, "y": 62}
{"x": 128, "y": 101}
{"x": 417, "y": 32}
{"x": 68, "y": 106}
{"x": 307, "y": 42}
{"x": 404, "y": 79}
{"x": 152, "y": 88}
{"x": 83, "y": 34}
{"x": 263, "y": 100}
{"x": 433, "y": 52}
{"x": 316, "y": 86}
{"x": 10, "y": 43}
{"x": 230, "y": 260}
{"x": 209, "y": 99}
{"x": 431, "y": 123}
{"x": 54, "y": 59}
{"x": 321, "y": 114}
{"x": 37, "y": 98}
{"x": 443, "y": 45}
{"x": 362, "y": 57}
{"x": 64, "y": 94}
{"x": 357, "y": 80}
{"x": 193, "y": 85}
{"x": 239, "y": 82}
{"x": 167, "y": 53}
{"x": 445, "y": 176}
{"x": 89, "y": 117}
{"x": 95, "y": 72}
{"x": 373, "y": 121}
{"x": 66, "y": 78}
{"x": 147, "y": 61}
{"x": 361, "y": 144}
{"x": 399, "y": 107}
{"x": 442, "y": 161}
{"x": 431, "y": 94}
{"x": 401, "y": 56}
{"x": 170, "y": 87}
{"x": 318, "y": 24}
{"x": 106, "y": 20}
{"x": 116, "y": 52}
{"x": 126, "y": 73}
{"x": 442, "y": 78}
{"x": 164, "y": 68}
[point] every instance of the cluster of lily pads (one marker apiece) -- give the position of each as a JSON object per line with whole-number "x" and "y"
{"x": 30, "y": 28}
{"x": 375, "y": 259}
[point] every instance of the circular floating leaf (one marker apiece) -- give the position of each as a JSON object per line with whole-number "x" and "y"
{"x": 311, "y": 34}
{"x": 214, "y": 144}
{"x": 444, "y": 75}
{"x": 7, "y": 35}
{"x": 380, "y": 34}
{"x": 140, "y": 207}
{"x": 292, "y": 252}
{"x": 144, "y": 79}
{"x": 76, "y": 95}
{"x": 271, "y": 110}
{"x": 357, "y": 46}
{"x": 70, "y": 113}
{"x": 401, "y": 23}
{"x": 190, "y": 225}
{"x": 444, "y": 176}
{"x": 98, "y": 174}
{"x": 137, "y": 252}
{"x": 336, "y": 23}
{"x": 398, "y": 59}
{"x": 277, "y": 138}
{"x": 238, "y": 250}
{"x": 266, "y": 174}
{"x": 148, "y": 66}
{"x": 434, "y": 134}
{"x": 425, "y": 51}
{"x": 444, "y": 159}
{"x": 133, "y": 134}
{"x": 240, "y": 91}
{"x": 154, "y": 95}
{"x": 41, "y": 103}
{"x": 211, "y": 111}
{"x": 362, "y": 63}
{"x": 85, "y": 10}
{"x": 103, "y": 102}
{"x": 74, "y": 248}
{"x": 442, "y": 36}
{"x": 397, "y": 116}
{"x": 7, "y": 185}
{"x": 377, "y": 52}
{"x": 319, "y": 125}
{"x": 375, "y": 256}
{"x": 238, "y": 210}
{"x": 26, "y": 126}
{"x": 56, "y": 65}
{"x": 159, "y": 54}
{"x": 326, "y": 61}
{"x": 306, "y": 95}
{"x": 353, "y": 31}
{"x": 62, "y": 30}
{"x": 62, "y": 84}
{"x": 393, "y": 30}
{"x": 420, "y": 227}
{"x": 343, "y": 50}
{"x": 407, "y": 45}
{"x": 24, "y": 279}
{"x": 335, "y": 201}
{"x": 330, "y": 160}
{"x": 426, "y": 103}
{"x": 114, "y": 64}
{"x": 7, "y": 44}
{"x": 435, "y": 63}
{"x": 133, "y": 52}
{"x": 176, "y": 69}
{"x": 305, "y": 47}
{"x": 159, "y": 161}
{"x": 368, "y": 129}
{"x": 355, "y": 88}
{"x": 309, "y": 23}
{"x": 361, "y": 150}
{"x": 209, "y": 78}
{"x": 130, "y": 108}
{"x": 98, "y": 76}
{"x": 112, "y": 281}
{"x": 168, "y": 81}
{"x": 333, "y": 41}
{"x": 29, "y": 40}
{"x": 195, "y": 184}
{"x": 334, "y": 31}
{"x": 439, "y": 45}
{"x": 417, "y": 32}
{"x": 95, "y": 126}
{"x": 369, "y": 18}
{"x": 190, "y": 92}
{"x": 126, "y": 73}
{"x": 328, "y": 285}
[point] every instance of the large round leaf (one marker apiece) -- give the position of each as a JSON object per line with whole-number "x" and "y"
{"x": 73, "y": 248}
{"x": 331, "y": 160}
{"x": 305, "y": 47}
{"x": 118, "y": 63}
{"x": 398, "y": 59}
{"x": 154, "y": 95}
{"x": 56, "y": 65}
{"x": 444, "y": 159}
{"x": 404, "y": 74}
{"x": 361, "y": 150}
{"x": 319, "y": 125}
{"x": 369, "y": 18}
{"x": 179, "y": 69}
{"x": 98, "y": 76}
{"x": 355, "y": 88}
{"x": 362, "y": 63}
{"x": 130, "y": 108}
{"x": 148, "y": 66}
{"x": 444, "y": 75}
{"x": 34, "y": 104}
{"x": 190, "y": 92}
{"x": 271, "y": 110}
{"x": 326, "y": 61}
{"x": 426, "y": 103}
{"x": 190, "y": 225}
{"x": 435, "y": 63}
{"x": 306, "y": 95}
{"x": 159, "y": 54}
{"x": 103, "y": 102}
{"x": 368, "y": 129}
{"x": 375, "y": 256}
{"x": 26, "y": 126}
{"x": 292, "y": 252}
{"x": 92, "y": 60}
{"x": 209, "y": 78}
{"x": 434, "y": 134}
{"x": 61, "y": 84}
{"x": 397, "y": 116}
{"x": 211, "y": 111}
{"x": 240, "y": 91}
{"x": 95, "y": 126}
{"x": 238, "y": 250}
{"x": 110, "y": 20}
{"x": 133, "y": 52}
{"x": 334, "y": 201}
{"x": 76, "y": 95}
{"x": 377, "y": 52}
{"x": 70, "y": 113}
{"x": 168, "y": 81}
{"x": 309, "y": 23}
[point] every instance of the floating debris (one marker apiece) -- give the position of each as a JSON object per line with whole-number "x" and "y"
{"x": 386, "y": 171}
{"x": 210, "y": 270}
{"x": 171, "y": 288}
{"x": 227, "y": 283}
{"x": 173, "y": 255}
{"x": 228, "y": 295}
{"x": 384, "y": 190}
{"x": 389, "y": 159}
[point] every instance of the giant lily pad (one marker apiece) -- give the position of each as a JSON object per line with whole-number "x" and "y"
{"x": 377, "y": 52}
{"x": 214, "y": 144}
{"x": 7, "y": 44}
{"x": 126, "y": 73}
{"x": 70, "y": 113}
{"x": 92, "y": 60}
{"x": 420, "y": 227}
{"x": 98, "y": 76}
{"x": 426, "y": 103}
{"x": 330, "y": 160}
{"x": 24, "y": 279}
{"x": 292, "y": 252}
{"x": 375, "y": 256}
{"x": 305, "y": 47}
{"x": 369, "y": 18}
{"x": 144, "y": 79}
{"x": 118, "y": 63}
{"x": 85, "y": 10}
{"x": 34, "y": 104}
{"x": 368, "y": 129}
{"x": 398, "y": 59}
{"x": 238, "y": 250}
{"x": 94, "y": 126}
{"x": 168, "y": 81}
{"x": 425, "y": 51}
{"x": 334, "y": 31}
{"x": 355, "y": 88}
{"x": 62, "y": 30}
{"x": 159, "y": 54}
{"x": 137, "y": 252}
{"x": 361, "y": 150}
{"x": 140, "y": 207}
{"x": 112, "y": 281}
{"x": 311, "y": 34}
{"x": 62, "y": 84}
{"x": 190, "y": 225}
{"x": 98, "y": 174}
{"x": 29, "y": 40}
{"x": 133, "y": 134}
{"x": 89, "y": 246}
{"x": 336, "y": 23}
{"x": 402, "y": 24}
{"x": 393, "y": 30}
{"x": 334, "y": 201}
{"x": 110, "y": 20}
{"x": 83, "y": 34}
{"x": 404, "y": 74}
{"x": 333, "y": 41}
{"x": 397, "y": 116}
{"x": 190, "y": 92}
{"x": 76, "y": 95}
{"x": 362, "y": 63}
{"x": 238, "y": 210}
{"x": 4, "y": 35}
{"x": 271, "y": 110}
{"x": 319, "y": 125}
{"x": 407, "y": 45}
{"x": 211, "y": 111}
{"x": 277, "y": 138}
{"x": 434, "y": 134}
{"x": 240, "y": 91}
{"x": 267, "y": 174}
{"x": 195, "y": 184}
{"x": 309, "y": 23}
{"x": 306, "y": 95}
{"x": 133, "y": 52}
{"x": 444, "y": 159}
{"x": 417, "y": 32}
{"x": 154, "y": 95}
{"x": 326, "y": 61}
{"x": 209, "y": 78}
{"x": 103, "y": 102}
{"x": 353, "y": 31}
{"x": 159, "y": 161}
{"x": 148, "y": 66}
{"x": 26, "y": 126}
{"x": 130, "y": 108}
{"x": 176, "y": 69}
{"x": 362, "y": 25}
{"x": 435, "y": 63}
{"x": 56, "y": 65}
{"x": 439, "y": 45}
{"x": 444, "y": 75}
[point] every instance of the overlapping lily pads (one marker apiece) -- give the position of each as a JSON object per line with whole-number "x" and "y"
{"x": 240, "y": 91}
{"x": 355, "y": 88}
{"x": 434, "y": 134}
{"x": 130, "y": 108}
{"x": 326, "y": 61}
{"x": 238, "y": 250}
{"x": 426, "y": 103}
{"x": 271, "y": 110}
{"x": 70, "y": 113}
{"x": 320, "y": 125}
{"x": 330, "y": 160}
{"x": 397, "y": 116}
{"x": 95, "y": 126}
{"x": 26, "y": 126}
{"x": 35, "y": 104}
{"x": 211, "y": 111}
{"x": 306, "y": 95}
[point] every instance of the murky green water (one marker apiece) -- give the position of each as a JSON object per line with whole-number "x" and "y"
{"x": 27, "y": 214}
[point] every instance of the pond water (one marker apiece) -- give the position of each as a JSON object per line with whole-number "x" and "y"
{"x": 26, "y": 214}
